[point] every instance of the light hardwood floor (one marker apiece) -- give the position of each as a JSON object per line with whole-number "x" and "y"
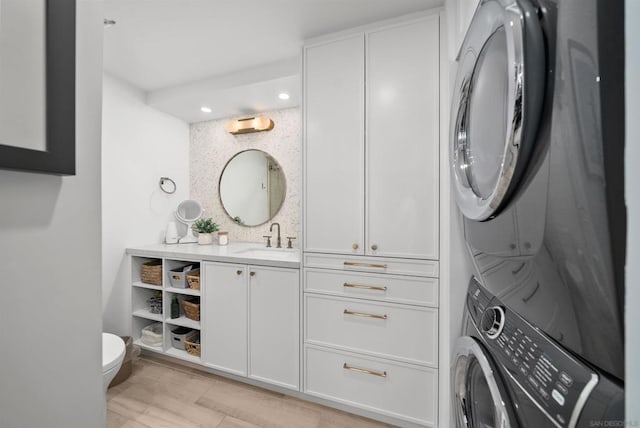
{"x": 160, "y": 394}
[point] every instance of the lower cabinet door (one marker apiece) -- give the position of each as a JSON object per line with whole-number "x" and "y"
{"x": 274, "y": 326}
{"x": 395, "y": 389}
{"x": 225, "y": 303}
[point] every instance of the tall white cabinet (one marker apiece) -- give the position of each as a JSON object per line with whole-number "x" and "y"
{"x": 371, "y": 219}
{"x": 371, "y": 142}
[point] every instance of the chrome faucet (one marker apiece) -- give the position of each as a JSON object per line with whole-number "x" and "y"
{"x": 279, "y": 242}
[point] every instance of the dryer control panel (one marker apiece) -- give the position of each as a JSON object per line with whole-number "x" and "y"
{"x": 558, "y": 383}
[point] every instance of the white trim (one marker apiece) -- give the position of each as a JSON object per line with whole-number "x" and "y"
{"x": 445, "y": 416}
{"x": 374, "y": 26}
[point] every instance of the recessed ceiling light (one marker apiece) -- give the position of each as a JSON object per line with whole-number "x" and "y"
{"x": 205, "y": 109}
{"x": 283, "y": 96}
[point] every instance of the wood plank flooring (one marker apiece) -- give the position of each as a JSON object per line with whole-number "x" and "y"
{"x": 161, "y": 394}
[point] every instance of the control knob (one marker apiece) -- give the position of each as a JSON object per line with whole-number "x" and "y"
{"x": 492, "y": 321}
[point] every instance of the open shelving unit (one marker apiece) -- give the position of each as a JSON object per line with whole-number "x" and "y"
{"x": 141, "y": 315}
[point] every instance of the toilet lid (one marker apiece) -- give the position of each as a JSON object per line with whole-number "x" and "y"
{"x": 112, "y": 351}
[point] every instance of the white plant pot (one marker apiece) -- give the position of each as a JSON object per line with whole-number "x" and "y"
{"x": 205, "y": 238}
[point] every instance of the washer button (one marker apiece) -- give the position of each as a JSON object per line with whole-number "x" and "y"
{"x": 562, "y": 388}
{"x": 544, "y": 393}
{"x": 558, "y": 397}
{"x": 533, "y": 382}
{"x": 566, "y": 379}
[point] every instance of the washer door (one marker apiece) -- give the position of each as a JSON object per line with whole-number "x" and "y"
{"x": 479, "y": 398}
{"x": 496, "y": 106}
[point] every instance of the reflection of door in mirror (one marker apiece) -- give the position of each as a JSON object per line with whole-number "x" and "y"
{"x": 252, "y": 188}
{"x": 275, "y": 187}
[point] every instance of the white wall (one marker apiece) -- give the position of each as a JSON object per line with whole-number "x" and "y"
{"x": 139, "y": 145}
{"x": 50, "y": 328}
{"x": 632, "y": 195}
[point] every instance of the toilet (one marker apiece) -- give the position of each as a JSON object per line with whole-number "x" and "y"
{"x": 113, "y": 351}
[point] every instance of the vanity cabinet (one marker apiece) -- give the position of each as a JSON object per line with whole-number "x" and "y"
{"x": 371, "y": 139}
{"x": 252, "y": 322}
{"x": 225, "y": 339}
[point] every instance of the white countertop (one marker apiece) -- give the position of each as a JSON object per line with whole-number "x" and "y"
{"x": 250, "y": 253}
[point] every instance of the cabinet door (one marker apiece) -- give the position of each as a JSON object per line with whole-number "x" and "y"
{"x": 274, "y": 332}
{"x": 225, "y": 306}
{"x": 334, "y": 146}
{"x": 402, "y": 140}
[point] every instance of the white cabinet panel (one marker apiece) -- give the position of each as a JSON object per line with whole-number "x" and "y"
{"x": 408, "y": 333}
{"x": 383, "y": 287}
{"x": 334, "y": 146}
{"x": 274, "y": 333}
{"x": 402, "y": 140}
{"x": 373, "y": 264}
{"x": 225, "y": 302}
{"x": 395, "y": 389}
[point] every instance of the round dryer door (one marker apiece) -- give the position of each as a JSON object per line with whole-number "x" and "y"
{"x": 479, "y": 398}
{"x": 496, "y": 105}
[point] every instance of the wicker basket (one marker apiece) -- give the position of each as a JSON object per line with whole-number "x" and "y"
{"x": 192, "y": 344}
{"x": 191, "y": 308}
{"x": 152, "y": 272}
{"x": 193, "y": 279}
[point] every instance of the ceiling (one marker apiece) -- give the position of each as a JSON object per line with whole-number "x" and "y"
{"x": 178, "y": 50}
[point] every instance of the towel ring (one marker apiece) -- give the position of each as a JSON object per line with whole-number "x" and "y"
{"x": 167, "y": 188}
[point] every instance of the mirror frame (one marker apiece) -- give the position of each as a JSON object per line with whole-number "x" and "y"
{"x": 286, "y": 188}
{"x": 60, "y": 155}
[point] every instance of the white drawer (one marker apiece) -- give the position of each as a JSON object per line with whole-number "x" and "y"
{"x": 372, "y": 264}
{"x": 394, "y": 389}
{"x": 388, "y": 288}
{"x": 408, "y": 333}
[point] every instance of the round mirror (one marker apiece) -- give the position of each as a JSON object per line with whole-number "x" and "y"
{"x": 188, "y": 212}
{"x": 252, "y": 187}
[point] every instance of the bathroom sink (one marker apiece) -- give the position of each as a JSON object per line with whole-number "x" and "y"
{"x": 268, "y": 253}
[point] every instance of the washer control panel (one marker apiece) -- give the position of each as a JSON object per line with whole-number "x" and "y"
{"x": 545, "y": 372}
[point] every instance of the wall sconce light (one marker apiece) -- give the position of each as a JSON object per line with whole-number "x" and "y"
{"x": 250, "y": 124}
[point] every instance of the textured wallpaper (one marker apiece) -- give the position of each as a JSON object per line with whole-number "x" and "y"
{"x": 211, "y": 147}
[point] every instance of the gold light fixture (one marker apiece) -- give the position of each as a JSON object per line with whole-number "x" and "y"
{"x": 250, "y": 124}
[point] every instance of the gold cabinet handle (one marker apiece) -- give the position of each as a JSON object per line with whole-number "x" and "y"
{"x": 239, "y": 272}
{"x": 364, "y": 287}
{"x": 365, "y": 371}
{"x": 354, "y": 246}
{"x": 374, "y": 247}
{"x": 364, "y": 314}
{"x": 368, "y": 265}
{"x": 252, "y": 273}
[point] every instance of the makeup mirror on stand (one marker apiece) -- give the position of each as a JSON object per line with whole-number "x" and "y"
{"x": 188, "y": 212}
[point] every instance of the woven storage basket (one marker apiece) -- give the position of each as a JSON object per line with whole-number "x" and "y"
{"x": 191, "y": 308}
{"x": 193, "y": 279}
{"x": 152, "y": 272}
{"x": 192, "y": 344}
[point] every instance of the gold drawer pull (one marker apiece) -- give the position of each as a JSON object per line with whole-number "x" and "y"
{"x": 364, "y": 287}
{"x": 367, "y": 265}
{"x": 365, "y": 371}
{"x": 364, "y": 314}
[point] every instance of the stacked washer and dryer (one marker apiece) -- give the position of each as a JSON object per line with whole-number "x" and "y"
{"x": 537, "y": 131}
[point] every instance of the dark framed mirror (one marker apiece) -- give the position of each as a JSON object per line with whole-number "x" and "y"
{"x": 37, "y": 86}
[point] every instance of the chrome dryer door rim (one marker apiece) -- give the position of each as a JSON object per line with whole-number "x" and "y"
{"x": 515, "y": 26}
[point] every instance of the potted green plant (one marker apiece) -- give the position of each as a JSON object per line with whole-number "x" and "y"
{"x": 205, "y": 228}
